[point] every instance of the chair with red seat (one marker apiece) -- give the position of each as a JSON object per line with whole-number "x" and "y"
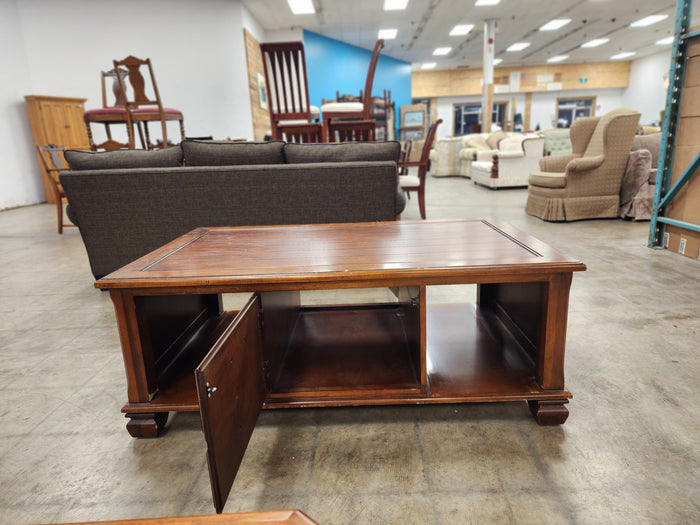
{"x": 142, "y": 107}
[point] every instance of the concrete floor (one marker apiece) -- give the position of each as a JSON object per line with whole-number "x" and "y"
{"x": 629, "y": 453}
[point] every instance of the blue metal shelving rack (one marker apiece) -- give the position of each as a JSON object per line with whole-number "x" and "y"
{"x": 664, "y": 192}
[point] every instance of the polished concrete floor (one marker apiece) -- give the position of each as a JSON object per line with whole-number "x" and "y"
{"x": 629, "y": 453}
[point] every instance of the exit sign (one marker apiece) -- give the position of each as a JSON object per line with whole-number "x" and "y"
{"x": 583, "y": 80}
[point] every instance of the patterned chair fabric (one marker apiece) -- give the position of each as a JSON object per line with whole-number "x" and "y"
{"x": 556, "y": 141}
{"x": 585, "y": 184}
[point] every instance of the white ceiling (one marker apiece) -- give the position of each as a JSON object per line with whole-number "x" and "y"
{"x": 425, "y": 25}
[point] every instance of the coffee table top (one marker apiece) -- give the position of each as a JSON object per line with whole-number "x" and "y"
{"x": 395, "y": 253}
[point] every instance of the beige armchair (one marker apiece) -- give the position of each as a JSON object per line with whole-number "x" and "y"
{"x": 510, "y": 166}
{"x": 585, "y": 184}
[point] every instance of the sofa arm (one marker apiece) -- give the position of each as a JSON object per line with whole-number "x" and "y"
{"x": 485, "y": 156}
{"x": 510, "y": 155}
{"x": 584, "y": 164}
{"x": 556, "y": 163}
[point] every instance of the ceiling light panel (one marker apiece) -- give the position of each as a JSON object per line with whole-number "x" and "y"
{"x": 621, "y": 56}
{"x": 301, "y": 7}
{"x": 596, "y": 42}
{"x": 387, "y": 34}
{"x": 649, "y": 20}
{"x": 558, "y": 58}
{"x": 461, "y": 29}
{"x": 440, "y": 51}
{"x": 395, "y": 5}
{"x": 518, "y": 46}
{"x": 497, "y": 61}
{"x": 428, "y": 65}
{"x": 555, "y": 24}
{"x": 664, "y": 41}
{"x": 487, "y": 2}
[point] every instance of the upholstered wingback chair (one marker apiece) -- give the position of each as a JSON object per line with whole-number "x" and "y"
{"x": 585, "y": 184}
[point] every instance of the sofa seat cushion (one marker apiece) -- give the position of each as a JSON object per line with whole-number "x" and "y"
{"x": 342, "y": 107}
{"x": 547, "y": 179}
{"x": 227, "y": 153}
{"x": 124, "y": 159}
{"x": 342, "y": 152}
{"x": 409, "y": 181}
{"x": 154, "y": 109}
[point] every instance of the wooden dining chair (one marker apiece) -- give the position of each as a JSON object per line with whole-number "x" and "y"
{"x": 354, "y": 110}
{"x": 109, "y": 113}
{"x": 291, "y": 115}
{"x": 416, "y": 183}
{"x": 52, "y": 157}
{"x": 351, "y": 130}
{"x": 142, "y": 107}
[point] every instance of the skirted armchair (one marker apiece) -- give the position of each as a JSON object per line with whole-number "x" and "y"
{"x": 585, "y": 184}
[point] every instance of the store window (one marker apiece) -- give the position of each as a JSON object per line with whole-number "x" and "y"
{"x": 466, "y": 117}
{"x": 570, "y": 109}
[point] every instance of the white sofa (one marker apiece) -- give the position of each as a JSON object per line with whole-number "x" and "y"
{"x": 510, "y": 166}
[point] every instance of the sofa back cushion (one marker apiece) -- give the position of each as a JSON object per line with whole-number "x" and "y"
{"x": 124, "y": 159}
{"x": 342, "y": 152}
{"x": 478, "y": 142}
{"x": 227, "y": 153}
{"x": 124, "y": 214}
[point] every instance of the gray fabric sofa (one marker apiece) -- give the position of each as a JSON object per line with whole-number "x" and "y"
{"x": 127, "y": 203}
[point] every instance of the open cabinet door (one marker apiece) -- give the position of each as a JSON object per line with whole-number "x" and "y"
{"x": 231, "y": 390}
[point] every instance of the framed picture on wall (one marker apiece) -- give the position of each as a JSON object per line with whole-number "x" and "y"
{"x": 262, "y": 91}
{"x": 413, "y": 119}
{"x": 413, "y": 134}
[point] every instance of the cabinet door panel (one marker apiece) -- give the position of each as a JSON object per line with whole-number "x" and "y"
{"x": 231, "y": 390}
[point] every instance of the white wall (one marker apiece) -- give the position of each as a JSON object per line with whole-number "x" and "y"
{"x": 20, "y": 183}
{"x": 59, "y": 47}
{"x": 646, "y": 92}
{"x": 543, "y": 107}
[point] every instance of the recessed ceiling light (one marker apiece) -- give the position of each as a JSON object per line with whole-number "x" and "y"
{"x": 387, "y": 34}
{"x": 518, "y": 46}
{"x": 620, "y": 56}
{"x": 596, "y": 42}
{"x": 461, "y": 29}
{"x": 555, "y": 24}
{"x": 664, "y": 41}
{"x": 395, "y": 5}
{"x": 442, "y": 51}
{"x": 497, "y": 61}
{"x": 428, "y": 65}
{"x": 487, "y": 2}
{"x": 647, "y": 21}
{"x": 558, "y": 58}
{"x": 301, "y": 7}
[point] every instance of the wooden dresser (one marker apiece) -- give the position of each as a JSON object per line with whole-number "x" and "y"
{"x": 56, "y": 120}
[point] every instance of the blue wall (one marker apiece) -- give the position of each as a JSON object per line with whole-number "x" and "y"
{"x": 333, "y": 66}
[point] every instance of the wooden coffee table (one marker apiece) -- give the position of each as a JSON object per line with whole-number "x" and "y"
{"x": 183, "y": 352}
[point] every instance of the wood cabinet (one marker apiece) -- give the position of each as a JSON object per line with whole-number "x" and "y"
{"x": 56, "y": 120}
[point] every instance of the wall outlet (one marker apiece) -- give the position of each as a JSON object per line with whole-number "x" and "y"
{"x": 681, "y": 246}
{"x": 665, "y": 241}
